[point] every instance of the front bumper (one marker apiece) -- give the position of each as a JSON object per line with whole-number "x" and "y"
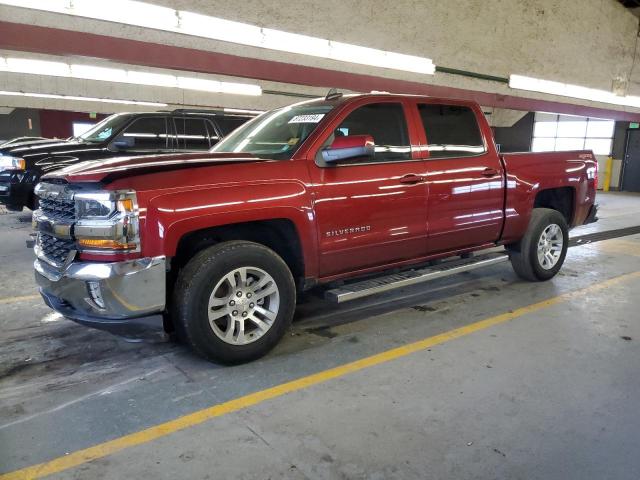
{"x": 124, "y": 298}
{"x": 7, "y": 192}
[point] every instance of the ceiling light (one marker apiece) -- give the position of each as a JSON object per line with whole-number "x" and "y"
{"x": 243, "y": 110}
{"x": 573, "y": 91}
{"x": 135, "y": 77}
{"x": 105, "y": 74}
{"x": 83, "y": 99}
{"x": 152, "y": 79}
{"x": 27, "y": 65}
{"x": 142, "y": 14}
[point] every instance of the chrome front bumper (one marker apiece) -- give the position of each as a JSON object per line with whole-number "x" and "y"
{"x": 119, "y": 297}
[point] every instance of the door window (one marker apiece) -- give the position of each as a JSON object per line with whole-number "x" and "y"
{"x": 145, "y": 134}
{"x": 451, "y": 130}
{"x": 192, "y": 134}
{"x": 386, "y": 123}
{"x": 230, "y": 123}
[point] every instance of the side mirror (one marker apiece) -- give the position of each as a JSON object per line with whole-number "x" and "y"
{"x": 122, "y": 143}
{"x": 350, "y": 146}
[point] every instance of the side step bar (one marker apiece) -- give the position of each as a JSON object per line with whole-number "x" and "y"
{"x": 365, "y": 288}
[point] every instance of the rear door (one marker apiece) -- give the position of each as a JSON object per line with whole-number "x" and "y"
{"x": 371, "y": 211}
{"x": 631, "y": 172}
{"x": 464, "y": 177}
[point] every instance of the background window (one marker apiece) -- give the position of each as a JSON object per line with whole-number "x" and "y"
{"x": 386, "y": 123}
{"x": 192, "y": 134}
{"x": 81, "y": 127}
{"x": 451, "y": 131}
{"x": 146, "y": 134}
{"x": 229, "y": 123}
{"x": 552, "y": 132}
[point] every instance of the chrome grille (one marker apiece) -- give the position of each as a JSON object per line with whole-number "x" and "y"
{"x": 58, "y": 208}
{"x": 55, "y": 249}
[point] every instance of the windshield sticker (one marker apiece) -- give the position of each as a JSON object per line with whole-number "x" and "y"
{"x": 106, "y": 133}
{"x": 315, "y": 118}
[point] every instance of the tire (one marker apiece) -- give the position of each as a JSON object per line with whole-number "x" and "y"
{"x": 524, "y": 255}
{"x": 208, "y": 309}
{"x": 14, "y": 208}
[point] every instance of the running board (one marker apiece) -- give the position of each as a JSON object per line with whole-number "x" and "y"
{"x": 365, "y": 288}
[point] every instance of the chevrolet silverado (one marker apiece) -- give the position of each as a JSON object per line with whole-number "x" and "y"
{"x": 215, "y": 246}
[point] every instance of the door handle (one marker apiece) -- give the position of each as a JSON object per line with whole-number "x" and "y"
{"x": 411, "y": 179}
{"x": 489, "y": 172}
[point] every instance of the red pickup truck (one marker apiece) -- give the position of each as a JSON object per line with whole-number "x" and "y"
{"x": 217, "y": 245}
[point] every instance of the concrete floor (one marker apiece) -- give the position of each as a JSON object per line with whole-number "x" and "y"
{"x": 551, "y": 394}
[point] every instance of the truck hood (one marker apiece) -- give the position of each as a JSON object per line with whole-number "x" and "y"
{"x": 107, "y": 171}
{"x": 40, "y": 147}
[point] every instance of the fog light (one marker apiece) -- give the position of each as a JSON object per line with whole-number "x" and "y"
{"x": 95, "y": 293}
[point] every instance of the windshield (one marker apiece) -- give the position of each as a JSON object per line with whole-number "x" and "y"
{"x": 104, "y": 130}
{"x": 276, "y": 134}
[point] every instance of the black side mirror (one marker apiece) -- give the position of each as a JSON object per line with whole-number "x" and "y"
{"x": 123, "y": 143}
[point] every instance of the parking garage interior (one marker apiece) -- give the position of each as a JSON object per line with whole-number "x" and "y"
{"x": 448, "y": 367}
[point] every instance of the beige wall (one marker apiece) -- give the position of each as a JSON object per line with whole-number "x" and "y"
{"x": 586, "y": 42}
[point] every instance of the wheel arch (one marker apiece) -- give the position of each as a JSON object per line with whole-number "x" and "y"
{"x": 561, "y": 199}
{"x": 279, "y": 234}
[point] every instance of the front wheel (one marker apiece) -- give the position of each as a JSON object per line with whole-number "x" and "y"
{"x": 234, "y": 301}
{"x": 541, "y": 252}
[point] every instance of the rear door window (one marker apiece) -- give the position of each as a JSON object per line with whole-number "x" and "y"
{"x": 148, "y": 133}
{"x": 192, "y": 134}
{"x": 451, "y": 130}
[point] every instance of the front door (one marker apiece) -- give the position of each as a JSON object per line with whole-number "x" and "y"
{"x": 631, "y": 171}
{"x": 371, "y": 211}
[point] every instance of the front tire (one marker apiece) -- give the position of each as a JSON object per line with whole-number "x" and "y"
{"x": 541, "y": 252}
{"x": 234, "y": 301}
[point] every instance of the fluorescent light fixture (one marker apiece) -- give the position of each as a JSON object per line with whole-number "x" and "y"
{"x": 27, "y": 65}
{"x": 104, "y": 74}
{"x": 573, "y": 91}
{"x": 135, "y": 77}
{"x": 243, "y": 110}
{"x": 83, "y": 99}
{"x": 150, "y": 78}
{"x": 142, "y": 14}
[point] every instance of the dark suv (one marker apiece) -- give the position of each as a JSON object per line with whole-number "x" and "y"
{"x": 121, "y": 134}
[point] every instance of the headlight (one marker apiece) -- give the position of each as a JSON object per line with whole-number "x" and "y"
{"x": 12, "y": 163}
{"x": 94, "y": 205}
{"x": 107, "y": 222}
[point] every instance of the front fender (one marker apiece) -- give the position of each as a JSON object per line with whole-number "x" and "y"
{"x": 170, "y": 216}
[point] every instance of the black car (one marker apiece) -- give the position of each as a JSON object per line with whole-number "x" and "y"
{"x": 22, "y": 140}
{"x": 121, "y": 134}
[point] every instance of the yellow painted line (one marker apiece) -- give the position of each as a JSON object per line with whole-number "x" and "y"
{"x": 144, "y": 436}
{"x": 23, "y": 298}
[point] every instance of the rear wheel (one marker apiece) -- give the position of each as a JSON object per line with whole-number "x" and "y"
{"x": 234, "y": 301}
{"x": 541, "y": 252}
